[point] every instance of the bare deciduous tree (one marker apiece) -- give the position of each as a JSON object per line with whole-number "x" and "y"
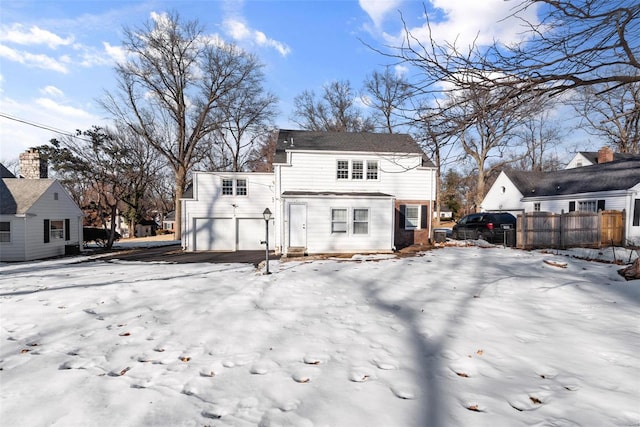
{"x": 386, "y": 94}
{"x": 575, "y": 43}
{"x": 612, "y": 113}
{"x": 171, "y": 88}
{"x": 335, "y": 111}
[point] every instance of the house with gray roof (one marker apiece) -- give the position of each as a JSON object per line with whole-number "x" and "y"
{"x": 611, "y": 185}
{"x": 604, "y": 155}
{"x": 329, "y": 192}
{"x": 38, "y": 217}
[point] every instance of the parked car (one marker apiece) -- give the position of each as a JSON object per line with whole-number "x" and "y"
{"x": 486, "y": 226}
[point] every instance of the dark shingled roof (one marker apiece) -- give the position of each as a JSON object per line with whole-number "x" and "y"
{"x": 347, "y": 141}
{"x": 5, "y": 173}
{"x": 611, "y": 176}
{"x": 592, "y": 156}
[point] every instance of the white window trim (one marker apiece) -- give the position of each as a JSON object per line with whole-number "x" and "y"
{"x": 246, "y": 187}
{"x": 365, "y": 170}
{"x": 582, "y": 204}
{"x": 361, "y": 171}
{"x": 234, "y": 187}
{"x": 223, "y": 187}
{"x": 338, "y": 170}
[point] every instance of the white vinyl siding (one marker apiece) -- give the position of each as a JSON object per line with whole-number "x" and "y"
{"x": 401, "y": 176}
{"x": 245, "y": 227}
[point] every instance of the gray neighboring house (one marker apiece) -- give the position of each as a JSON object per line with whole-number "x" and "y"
{"x": 38, "y": 217}
{"x": 613, "y": 185}
{"x": 604, "y": 155}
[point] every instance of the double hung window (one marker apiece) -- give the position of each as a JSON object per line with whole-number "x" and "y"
{"x": 343, "y": 169}
{"x": 56, "y": 229}
{"x": 357, "y": 169}
{"x": 412, "y": 217}
{"x": 338, "y": 220}
{"x": 372, "y": 169}
{"x": 227, "y": 187}
{"x": 360, "y": 221}
{"x": 232, "y": 187}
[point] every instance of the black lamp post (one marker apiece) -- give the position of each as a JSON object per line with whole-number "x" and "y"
{"x": 267, "y": 216}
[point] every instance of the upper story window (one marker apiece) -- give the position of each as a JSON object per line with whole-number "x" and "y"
{"x": 536, "y": 207}
{"x": 372, "y": 169}
{"x": 357, "y": 169}
{"x": 343, "y": 169}
{"x": 227, "y": 187}
{"x": 5, "y": 231}
{"x": 241, "y": 187}
{"x": 236, "y": 187}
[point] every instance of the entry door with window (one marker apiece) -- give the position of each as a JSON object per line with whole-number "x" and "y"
{"x": 297, "y": 225}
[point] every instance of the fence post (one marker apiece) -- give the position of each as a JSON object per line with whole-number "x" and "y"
{"x": 562, "y": 229}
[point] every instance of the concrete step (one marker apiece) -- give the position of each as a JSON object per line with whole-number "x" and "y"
{"x": 293, "y": 252}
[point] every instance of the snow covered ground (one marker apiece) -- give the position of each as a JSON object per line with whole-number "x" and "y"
{"x": 459, "y": 336}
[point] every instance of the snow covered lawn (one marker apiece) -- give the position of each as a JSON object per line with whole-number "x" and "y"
{"x": 451, "y": 337}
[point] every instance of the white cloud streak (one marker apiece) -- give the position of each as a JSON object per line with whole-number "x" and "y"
{"x": 378, "y": 10}
{"x": 240, "y": 32}
{"x": 34, "y": 60}
{"x": 18, "y": 34}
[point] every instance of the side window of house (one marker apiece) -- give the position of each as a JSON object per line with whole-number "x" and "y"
{"x": 357, "y": 169}
{"x": 536, "y": 207}
{"x": 372, "y": 169}
{"x": 343, "y": 169}
{"x": 227, "y": 187}
{"x": 241, "y": 187}
{"x": 5, "y": 231}
{"x": 636, "y": 213}
{"x": 57, "y": 229}
{"x": 338, "y": 220}
{"x": 412, "y": 217}
{"x": 360, "y": 221}
{"x": 587, "y": 206}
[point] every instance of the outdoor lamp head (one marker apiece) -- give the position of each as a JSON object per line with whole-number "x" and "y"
{"x": 266, "y": 214}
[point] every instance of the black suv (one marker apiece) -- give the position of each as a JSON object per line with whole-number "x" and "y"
{"x": 486, "y": 226}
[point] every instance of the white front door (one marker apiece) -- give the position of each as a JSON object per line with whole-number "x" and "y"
{"x": 298, "y": 225}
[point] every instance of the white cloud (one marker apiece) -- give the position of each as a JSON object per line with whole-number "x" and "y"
{"x": 379, "y": 9}
{"x": 239, "y": 31}
{"x": 117, "y": 53}
{"x": 63, "y": 110}
{"x": 18, "y": 34}
{"x": 467, "y": 22}
{"x": 52, "y": 91}
{"x": 33, "y": 60}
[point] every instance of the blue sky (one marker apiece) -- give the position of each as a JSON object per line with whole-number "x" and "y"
{"x": 57, "y": 57}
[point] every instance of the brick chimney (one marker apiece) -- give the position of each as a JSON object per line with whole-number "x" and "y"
{"x": 605, "y": 154}
{"x": 32, "y": 166}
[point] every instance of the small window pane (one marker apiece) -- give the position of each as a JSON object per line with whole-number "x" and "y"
{"x": 241, "y": 187}
{"x": 338, "y": 220}
{"x": 357, "y": 169}
{"x": 5, "y": 231}
{"x": 372, "y": 170}
{"x": 227, "y": 187}
{"x": 588, "y": 206}
{"x": 343, "y": 169}
{"x": 360, "y": 221}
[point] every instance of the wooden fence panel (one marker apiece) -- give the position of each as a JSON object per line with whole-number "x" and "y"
{"x": 585, "y": 229}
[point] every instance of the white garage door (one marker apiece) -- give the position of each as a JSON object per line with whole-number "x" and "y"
{"x": 250, "y": 233}
{"x": 215, "y": 234}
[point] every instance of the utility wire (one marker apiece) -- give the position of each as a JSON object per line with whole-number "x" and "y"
{"x": 41, "y": 126}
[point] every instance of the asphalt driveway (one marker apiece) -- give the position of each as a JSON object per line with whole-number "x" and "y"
{"x": 175, "y": 254}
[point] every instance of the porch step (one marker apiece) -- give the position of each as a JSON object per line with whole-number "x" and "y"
{"x": 298, "y": 251}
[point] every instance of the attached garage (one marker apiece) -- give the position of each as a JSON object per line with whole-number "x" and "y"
{"x": 229, "y": 234}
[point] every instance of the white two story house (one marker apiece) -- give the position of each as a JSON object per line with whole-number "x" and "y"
{"x": 330, "y": 192}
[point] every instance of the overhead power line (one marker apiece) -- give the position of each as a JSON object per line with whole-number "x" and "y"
{"x": 42, "y": 126}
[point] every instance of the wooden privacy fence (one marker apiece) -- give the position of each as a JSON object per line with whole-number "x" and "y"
{"x": 572, "y": 229}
